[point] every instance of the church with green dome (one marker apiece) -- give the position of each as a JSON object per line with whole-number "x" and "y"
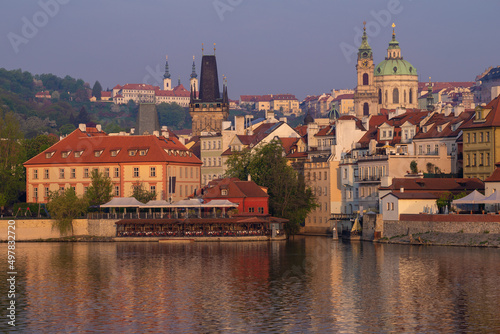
{"x": 391, "y": 84}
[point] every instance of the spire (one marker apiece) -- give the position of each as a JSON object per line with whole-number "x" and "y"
{"x": 430, "y": 98}
{"x": 193, "y": 73}
{"x": 167, "y": 73}
{"x": 364, "y": 50}
{"x": 179, "y": 81}
{"x": 225, "y": 99}
{"x": 394, "y": 51}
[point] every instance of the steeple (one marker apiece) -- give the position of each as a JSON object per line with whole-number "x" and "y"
{"x": 364, "y": 50}
{"x": 394, "y": 51}
{"x": 193, "y": 73}
{"x": 225, "y": 99}
{"x": 209, "y": 82}
{"x": 167, "y": 73}
{"x": 179, "y": 81}
{"x": 430, "y": 98}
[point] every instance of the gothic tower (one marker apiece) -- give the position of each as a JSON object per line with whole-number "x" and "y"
{"x": 193, "y": 82}
{"x": 365, "y": 95}
{"x": 209, "y": 109}
{"x": 167, "y": 82}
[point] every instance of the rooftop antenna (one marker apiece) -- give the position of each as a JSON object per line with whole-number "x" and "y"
{"x": 214, "y": 49}
{"x": 202, "y": 49}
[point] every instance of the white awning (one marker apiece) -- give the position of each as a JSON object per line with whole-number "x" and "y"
{"x": 123, "y": 202}
{"x": 474, "y": 197}
{"x": 220, "y": 203}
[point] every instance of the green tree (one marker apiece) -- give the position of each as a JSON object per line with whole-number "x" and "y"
{"x": 100, "y": 190}
{"x": 141, "y": 194}
{"x": 12, "y": 156}
{"x": 38, "y": 144}
{"x": 444, "y": 200}
{"x": 64, "y": 206}
{"x": 172, "y": 115}
{"x": 96, "y": 90}
{"x": 289, "y": 196}
{"x": 83, "y": 116}
{"x": 413, "y": 167}
{"x": 66, "y": 129}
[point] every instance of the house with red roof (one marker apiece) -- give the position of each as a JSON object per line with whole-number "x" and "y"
{"x": 160, "y": 162}
{"x": 251, "y": 198}
{"x": 43, "y": 95}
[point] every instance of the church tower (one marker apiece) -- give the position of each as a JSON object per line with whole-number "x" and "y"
{"x": 209, "y": 109}
{"x": 193, "y": 82}
{"x": 365, "y": 95}
{"x": 167, "y": 82}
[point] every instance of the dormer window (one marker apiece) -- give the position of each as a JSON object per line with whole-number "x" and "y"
{"x": 223, "y": 192}
{"x": 132, "y": 153}
{"x": 143, "y": 152}
{"x": 97, "y": 154}
{"x": 114, "y": 153}
{"x": 65, "y": 154}
{"x": 49, "y": 155}
{"x": 78, "y": 154}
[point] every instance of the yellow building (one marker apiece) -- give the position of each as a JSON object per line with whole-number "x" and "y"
{"x": 479, "y": 137}
{"x": 158, "y": 162}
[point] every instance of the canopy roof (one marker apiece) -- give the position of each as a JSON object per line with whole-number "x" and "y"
{"x": 123, "y": 202}
{"x": 474, "y": 197}
{"x": 493, "y": 198}
{"x": 220, "y": 203}
{"x": 156, "y": 204}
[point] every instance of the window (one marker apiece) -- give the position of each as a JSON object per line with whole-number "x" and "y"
{"x": 487, "y": 159}
{"x": 85, "y": 172}
{"x": 480, "y": 137}
{"x": 136, "y": 171}
{"x": 395, "y": 96}
{"x": 78, "y": 154}
{"x": 420, "y": 150}
{"x": 191, "y": 172}
{"x": 223, "y": 192}
{"x": 46, "y": 191}
{"x": 152, "y": 171}
{"x": 65, "y": 154}
{"x": 467, "y": 138}
{"x": 487, "y": 137}
{"x": 220, "y": 161}
{"x": 35, "y": 174}
{"x": 35, "y": 193}
{"x": 45, "y": 173}
{"x": 392, "y": 206}
{"x": 428, "y": 149}
{"x": 474, "y": 159}
{"x": 468, "y": 160}
{"x": 251, "y": 209}
{"x": 436, "y": 149}
{"x": 97, "y": 154}
{"x": 261, "y": 210}
{"x": 106, "y": 172}
{"x": 153, "y": 189}
{"x": 132, "y": 153}
{"x": 61, "y": 173}
{"x": 73, "y": 173}
{"x": 114, "y": 153}
{"x": 481, "y": 159}
{"x": 319, "y": 176}
{"x": 143, "y": 152}
{"x": 208, "y": 143}
{"x": 117, "y": 191}
{"x": 218, "y": 144}
{"x": 365, "y": 79}
{"x": 85, "y": 189}
{"x": 474, "y": 137}
{"x": 117, "y": 172}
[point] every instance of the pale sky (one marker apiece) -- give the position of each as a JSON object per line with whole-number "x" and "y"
{"x": 301, "y": 47}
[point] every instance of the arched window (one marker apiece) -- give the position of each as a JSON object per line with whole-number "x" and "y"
{"x": 365, "y": 79}
{"x": 366, "y": 109}
{"x": 404, "y": 96}
{"x": 410, "y": 97}
{"x": 386, "y": 99}
{"x": 395, "y": 95}
{"x": 380, "y": 96}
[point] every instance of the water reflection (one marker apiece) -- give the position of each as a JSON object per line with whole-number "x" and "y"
{"x": 309, "y": 284}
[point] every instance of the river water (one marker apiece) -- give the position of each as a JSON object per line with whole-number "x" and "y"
{"x": 309, "y": 284}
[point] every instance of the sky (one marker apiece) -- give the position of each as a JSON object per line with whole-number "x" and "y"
{"x": 301, "y": 47}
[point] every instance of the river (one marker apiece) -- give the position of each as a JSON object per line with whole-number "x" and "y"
{"x": 309, "y": 284}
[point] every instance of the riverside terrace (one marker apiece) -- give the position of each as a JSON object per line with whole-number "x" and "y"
{"x": 188, "y": 218}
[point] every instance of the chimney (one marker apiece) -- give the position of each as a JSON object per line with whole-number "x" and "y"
{"x": 401, "y": 190}
{"x": 283, "y": 119}
{"x": 156, "y": 133}
{"x": 98, "y": 127}
{"x": 249, "y": 177}
{"x": 132, "y": 131}
{"x": 239, "y": 124}
{"x": 82, "y": 127}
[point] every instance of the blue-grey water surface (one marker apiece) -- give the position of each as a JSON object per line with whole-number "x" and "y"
{"x": 309, "y": 284}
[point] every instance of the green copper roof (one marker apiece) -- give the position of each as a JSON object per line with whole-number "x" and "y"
{"x": 395, "y": 67}
{"x": 364, "y": 50}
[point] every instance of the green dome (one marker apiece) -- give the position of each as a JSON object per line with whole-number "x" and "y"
{"x": 395, "y": 67}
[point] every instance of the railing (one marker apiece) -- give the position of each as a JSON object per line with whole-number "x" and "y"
{"x": 342, "y": 216}
{"x": 181, "y": 234}
{"x": 155, "y": 215}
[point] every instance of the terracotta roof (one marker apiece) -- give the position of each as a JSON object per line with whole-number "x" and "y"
{"x": 117, "y": 87}
{"x": 284, "y": 97}
{"x": 492, "y": 119}
{"x": 344, "y": 97}
{"x": 105, "y": 94}
{"x": 495, "y": 176}
{"x": 328, "y": 130}
{"x": 302, "y": 130}
{"x": 235, "y": 188}
{"x": 432, "y": 185}
{"x": 138, "y": 87}
{"x": 446, "y": 123}
{"x": 441, "y": 85}
{"x": 159, "y": 149}
{"x": 412, "y": 195}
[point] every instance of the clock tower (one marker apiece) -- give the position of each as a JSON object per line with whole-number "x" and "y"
{"x": 365, "y": 95}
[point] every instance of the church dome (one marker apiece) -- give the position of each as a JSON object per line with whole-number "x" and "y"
{"x": 395, "y": 66}
{"x": 308, "y": 119}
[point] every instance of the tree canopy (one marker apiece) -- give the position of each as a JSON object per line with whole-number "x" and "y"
{"x": 100, "y": 190}
{"x": 96, "y": 90}
{"x": 289, "y": 197}
{"x": 64, "y": 206}
{"x": 141, "y": 194}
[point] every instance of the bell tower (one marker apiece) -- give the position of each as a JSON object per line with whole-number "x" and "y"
{"x": 167, "y": 82}
{"x": 193, "y": 81}
{"x": 365, "y": 95}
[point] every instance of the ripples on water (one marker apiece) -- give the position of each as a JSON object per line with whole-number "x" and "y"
{"x": 310, "y": 284}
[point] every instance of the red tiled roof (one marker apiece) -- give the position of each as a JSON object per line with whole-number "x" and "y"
{"x": 344, "y": 97}
{"x": 412, "y": 195}
{"x": 326, "y": 131}
{"x": 492, "y": 119}
{"x": 138, "y": 87}
{"x": 442, "y": 85}
{"x": 105, "y": 94}
{"x": 495, "y": 176}
{"x": 284, "y": 97}
{"x": 235, "y": 188}
{"x": 91, "y": 141}
{"x": 117, "y": 87}
{"x": 453, "y": 185}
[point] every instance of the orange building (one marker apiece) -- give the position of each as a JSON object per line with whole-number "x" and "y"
{"x": 160, "y": 162}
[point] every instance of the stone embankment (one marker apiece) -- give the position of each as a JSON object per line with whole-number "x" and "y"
{"x": 445, "y": 239}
